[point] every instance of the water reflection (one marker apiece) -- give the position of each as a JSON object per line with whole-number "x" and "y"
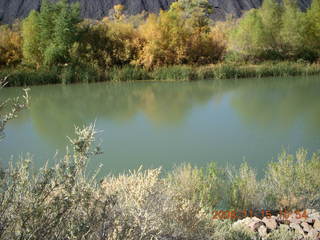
{"x": 280, "y": 104}
{"x": 58, "y": 109}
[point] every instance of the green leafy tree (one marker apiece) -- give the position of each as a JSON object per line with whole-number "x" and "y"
{"x": 248, "y": 38}
{"x": 31, "y": 38}
{"x": 50, "y": 34}
{"x": 47, "y": 15}
{"x": 313, "y": 26}
{"x": 293, "y": 28}
{"x": 271, "y": 16}
{"x": 196, "y": 12}
{"x": 64, "y": 34}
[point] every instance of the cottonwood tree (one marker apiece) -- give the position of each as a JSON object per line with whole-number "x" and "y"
{"x": 293, "y": 27}
{"x": 313, "y": 26}
{"x": 49, "y": 34}
{"x": 181, "y": 35}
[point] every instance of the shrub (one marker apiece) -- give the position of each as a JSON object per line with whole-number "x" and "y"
{"x": 63, "y": 201}
{"x": 292, "y": 182}
{"x": 245, "y": 192}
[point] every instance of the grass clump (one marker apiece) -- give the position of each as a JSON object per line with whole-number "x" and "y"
{"x": 73, "y": 73}
{"x": 26, "y": 77}
{"x": 277, "y": 69}
{"x": 127, "y": 73}
{"x": 283, "y": 234}
{"x": 78, "y": 73}
{"x": 177, "y": 72}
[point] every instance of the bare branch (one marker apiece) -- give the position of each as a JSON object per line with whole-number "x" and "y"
{"x": 10, "y": 108}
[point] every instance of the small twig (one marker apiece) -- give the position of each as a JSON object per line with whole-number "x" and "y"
{"x": 16, "y": 107}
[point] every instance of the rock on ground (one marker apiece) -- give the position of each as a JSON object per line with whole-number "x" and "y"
{"x": 308, "y": 227}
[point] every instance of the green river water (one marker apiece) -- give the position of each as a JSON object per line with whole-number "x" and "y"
{"x": 168, "y": 123}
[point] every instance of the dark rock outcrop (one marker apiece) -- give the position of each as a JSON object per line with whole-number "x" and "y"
{"x": 96, "y": 9}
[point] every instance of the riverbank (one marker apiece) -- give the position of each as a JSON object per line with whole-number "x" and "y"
{"x": 23, "y": 76}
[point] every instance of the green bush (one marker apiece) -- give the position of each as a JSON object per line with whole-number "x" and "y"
{"x": 293, "y": 181}
{"x": 245, "y": 192}
{"x": 214, "y": 188}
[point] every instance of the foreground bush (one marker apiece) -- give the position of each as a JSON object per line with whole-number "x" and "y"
{"x": 63, "y": 202}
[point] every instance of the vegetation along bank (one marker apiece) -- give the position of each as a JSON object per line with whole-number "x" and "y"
{"x": 55, "y": 46}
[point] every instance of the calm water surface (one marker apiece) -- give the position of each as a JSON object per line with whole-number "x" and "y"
{"x": 168, "y": 123}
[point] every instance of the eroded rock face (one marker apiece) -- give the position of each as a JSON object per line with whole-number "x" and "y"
{"x": 96, "y": 9}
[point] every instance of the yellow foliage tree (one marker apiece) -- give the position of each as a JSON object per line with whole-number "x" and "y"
{"x": 166, "y": 39}
{"x": 181, "y": 35}
{"x": 10, "y": 45}
{"x": 125, "y": 40}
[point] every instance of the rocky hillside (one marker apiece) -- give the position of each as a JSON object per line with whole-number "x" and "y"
{"x": 12, "y": 9}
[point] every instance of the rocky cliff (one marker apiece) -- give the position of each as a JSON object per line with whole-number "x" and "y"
{"x": 12, "y": 9}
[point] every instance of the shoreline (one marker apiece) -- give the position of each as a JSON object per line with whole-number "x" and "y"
{"x": 73, "y": 74}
